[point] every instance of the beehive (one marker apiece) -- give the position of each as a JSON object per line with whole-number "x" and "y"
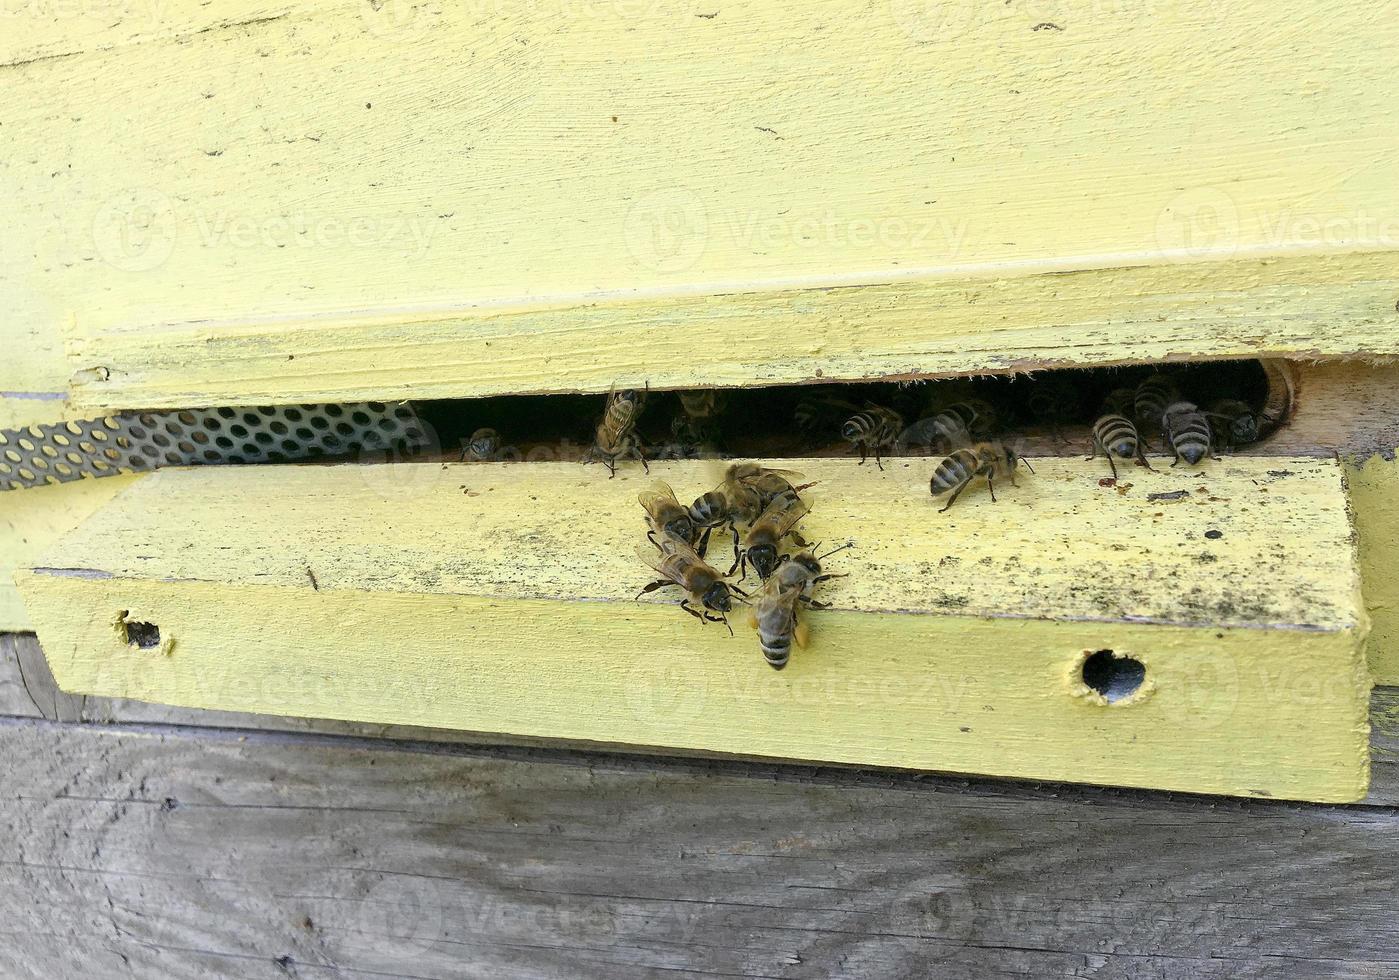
{"x": 571, "y": 209}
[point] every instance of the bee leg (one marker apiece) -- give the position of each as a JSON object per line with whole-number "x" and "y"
{"x": 1112, "y": 464}
{"x": 653, "y": 587}
{"x": 877, "y": 461}
{"x": 725, "y": 621}
{"x": 813, "y": 604}
{"x": 703, "y": 542}
{"x": 796, "y": 540}
{"x": 734, "y": 528}
{"x": 800, "y": 634}
{"x": 651, "y": 536}
{"x": 991, "y": 485}
{"x": 824, "y": 578}
{"x": 955, "y": 494}
{"x": 863, "y": 454}
{"x": 685, "y": 605}
{"x": 738, "y": 592}
{"x": 1141, "y": 458}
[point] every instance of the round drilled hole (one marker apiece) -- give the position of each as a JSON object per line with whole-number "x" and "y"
{"x": 240, "y": 431}
{"x": 344, "y": 428}
{"x": 187, "y": 418}
{"x": 212, "y": 456}
{"x": 228, "y": 413}
{"x": 334, "y": 411}
{"x": 251, "y": 418}
{"x": 294, "y": 414}
{"x": 199, "y": 436}
{"x": 160, "y": 439}
{"x": 1115, "y": 677}
{"x": 213, "y": 425}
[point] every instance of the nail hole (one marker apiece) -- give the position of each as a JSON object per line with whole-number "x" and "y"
{"x": 1114, "y": 677}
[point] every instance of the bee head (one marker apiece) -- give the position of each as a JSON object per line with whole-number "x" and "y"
{"x": 718, "y": 598}
{"x": 764, "y": 559}
{"x": 1123, "y": 449}
{"x": 1245, "y": 428}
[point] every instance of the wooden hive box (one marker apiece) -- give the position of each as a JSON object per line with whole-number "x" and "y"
{"x": 444, "y": 205}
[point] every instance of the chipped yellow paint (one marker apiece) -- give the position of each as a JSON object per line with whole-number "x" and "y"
{"x": 499, "y": 598}
{"x": 560, "y": 176}
{"x": 32, "y": 520}
{"x": 1374, "y": 491}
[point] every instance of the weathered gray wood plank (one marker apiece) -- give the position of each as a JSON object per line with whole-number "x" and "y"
{"x": 183, "y": 853}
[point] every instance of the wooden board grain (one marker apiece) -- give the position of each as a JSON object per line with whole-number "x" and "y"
{"x": 562, "y": 175}
{"x": 158, "y": 853}
{"x": 499, "y": 598}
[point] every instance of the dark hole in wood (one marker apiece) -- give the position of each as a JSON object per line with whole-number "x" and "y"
{"x": 143, "y": 635}
{"x": 1112, "y": 676}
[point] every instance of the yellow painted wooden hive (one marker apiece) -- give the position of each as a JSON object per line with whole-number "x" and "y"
{"x": 775, "y": 194}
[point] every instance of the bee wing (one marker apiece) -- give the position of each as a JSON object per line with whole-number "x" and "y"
{"x": 791, "y": 476}
{"x": 785, "y": 512}
{"x": 655, "y": 556}
{"x": 661, "y": 493}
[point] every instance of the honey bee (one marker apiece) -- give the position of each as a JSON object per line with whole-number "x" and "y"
{"x": 483, "y": 447}
{"x": 777, "y": 521}
{"x": 703, "y": 404}
{"x": 873, "y": 430}
{"x": 944, "y": 432}
{"x": 1115, "y": 436}
{"x": 616, "y": 433}
{"x": 1152, "y": 398}
{"x": 678, "y": 564}
{"x": 1187, "y": 432}
{"x": 816, "y": 416}
{"x": 1240, "y": 423}
{"x": 991, "y": 460}
{"x": 668, "y": 518}
{"x": 741, "y": 478}
{"x": 776, "y": 610}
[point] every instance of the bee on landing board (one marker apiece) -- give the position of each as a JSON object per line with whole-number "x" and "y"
{"x": 679, "y": 565}
{"x": 760, "y": 545}
{"x": 482, "y": 447}
{"x": 873, "y": 431}
{"x": 1187, "y": 432}
{"x": 616, "y": 436}
{"x": 668, "y": 517}
{"x": 1116, "y": 436}
{"x": 991, "y": 461}
{"x": 776, "y": 612}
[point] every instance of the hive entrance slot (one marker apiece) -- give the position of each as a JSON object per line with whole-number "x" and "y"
{"x": 1049, "y": 413}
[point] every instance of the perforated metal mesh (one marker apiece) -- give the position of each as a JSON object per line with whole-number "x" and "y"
{"x": 136, "y": 442}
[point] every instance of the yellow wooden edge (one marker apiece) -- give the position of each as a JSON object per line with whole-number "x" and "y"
{"x": 499, "y": 598}
{"x": 32, "y": 520}
{"x": 1374, "y": 491}
{"x": 557, "y": 156}
{"x": 1310, "y": 306}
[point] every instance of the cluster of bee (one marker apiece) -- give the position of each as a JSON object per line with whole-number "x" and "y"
{"x": 960, "y": 430}
{"x": 1156, "y": 408}
{"x": 694, "y": 429}
{"x": 761, "y": 508}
